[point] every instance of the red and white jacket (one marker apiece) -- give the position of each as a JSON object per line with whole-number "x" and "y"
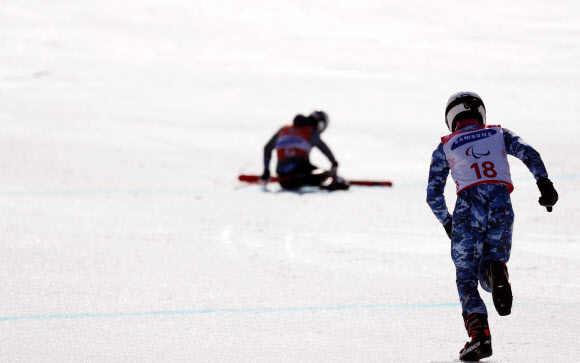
{"x": 294, "y": 142}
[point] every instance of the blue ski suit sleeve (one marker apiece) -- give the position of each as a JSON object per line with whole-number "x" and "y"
{"x": 517, "y": 147}
{"x": 268, "y": 148}
{"x": 321, "y": 145}
{"x": 438, "y": 173}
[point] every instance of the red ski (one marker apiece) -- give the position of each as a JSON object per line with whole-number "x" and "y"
{"x": 255, "y": 179}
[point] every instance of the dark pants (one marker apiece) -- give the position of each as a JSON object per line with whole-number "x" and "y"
{"x": 303, "y": 174}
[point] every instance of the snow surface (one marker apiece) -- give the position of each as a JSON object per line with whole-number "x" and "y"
{"x": 125, "y": 236}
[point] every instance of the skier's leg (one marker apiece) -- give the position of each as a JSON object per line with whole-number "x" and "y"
{"x": 288, "y": 182}
{"x": 498, "y": 239}
{"x": 316, "y": 176}
{"x": 467, "y": 241}
{"x": 466, "y": 276}
{"x": 296, "y": 175}
{"x": 325, "y": 180}
{"x": 466, "y": 248}
{"x": 493, "y": 272}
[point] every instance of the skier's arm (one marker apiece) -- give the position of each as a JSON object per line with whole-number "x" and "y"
{"x": 268, "y": 148}
{"x": 321, "y": 145}
{"x": 520, "y": 149}
{"x": 517, "y": 147}
{"x": 438, "y": 173}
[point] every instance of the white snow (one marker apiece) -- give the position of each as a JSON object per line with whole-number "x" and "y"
{"x": 125, "y": 236}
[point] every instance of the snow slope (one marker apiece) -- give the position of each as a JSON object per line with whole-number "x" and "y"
{"x": 125, "y": 236}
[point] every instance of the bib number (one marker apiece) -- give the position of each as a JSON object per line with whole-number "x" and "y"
{"x": 488, "y": 169}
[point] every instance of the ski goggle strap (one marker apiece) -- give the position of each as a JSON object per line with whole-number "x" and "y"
{"x": 469, "y": 102}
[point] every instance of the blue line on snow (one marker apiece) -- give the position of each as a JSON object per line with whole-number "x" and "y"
{"x": 223, "y": 311}
{"x": 259, "y": 310}
{"x": 214, "y": 190}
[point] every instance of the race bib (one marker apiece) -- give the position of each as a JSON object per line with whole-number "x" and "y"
{"x": 477, "y": 157}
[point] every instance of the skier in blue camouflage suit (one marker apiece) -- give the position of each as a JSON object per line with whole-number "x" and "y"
{"x": 480, "y": 228}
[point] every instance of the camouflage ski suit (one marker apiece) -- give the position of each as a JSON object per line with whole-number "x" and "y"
{"x": 482, "y": 220}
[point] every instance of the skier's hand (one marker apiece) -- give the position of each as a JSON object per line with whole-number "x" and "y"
{"x": 448, "y": 229}
{"x": 549, "y": 195}
{"x": 334, "y": 168}
{"x": 265, "y": 176}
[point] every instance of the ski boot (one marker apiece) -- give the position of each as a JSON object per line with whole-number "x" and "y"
{"x": 501, "y": 290}
{"x": 478, "y": 330}
{"x": 333, "y": 183}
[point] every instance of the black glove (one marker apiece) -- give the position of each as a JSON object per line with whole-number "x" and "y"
{"x": 549, "y": 195}
{"x": 448, "y": 229}
{"x": 265, "y": 176}
{"x": 333, "y": 168}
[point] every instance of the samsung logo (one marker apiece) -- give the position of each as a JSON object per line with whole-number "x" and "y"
{"x": 471, "y": 137}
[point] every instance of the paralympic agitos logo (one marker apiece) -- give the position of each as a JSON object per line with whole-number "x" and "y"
{"x": 476, "y": 155}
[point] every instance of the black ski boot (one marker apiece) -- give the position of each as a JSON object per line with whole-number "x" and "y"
{"x": 501, "y": 290}
{"x": 478, "y": 330}
{"x": 333, "y": 183}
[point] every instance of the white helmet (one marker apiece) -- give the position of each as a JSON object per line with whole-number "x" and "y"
{"x": 320, "y": 119}
{"x": 464, "y": 105}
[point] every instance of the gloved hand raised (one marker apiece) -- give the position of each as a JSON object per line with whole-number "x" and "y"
{"x": 549, "y": 195}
